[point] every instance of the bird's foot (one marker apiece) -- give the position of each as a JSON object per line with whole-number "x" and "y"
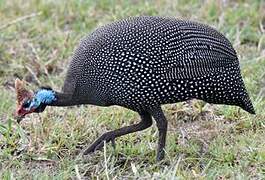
{"x": 160, "y": 155}
{"x": 99, "y": 143}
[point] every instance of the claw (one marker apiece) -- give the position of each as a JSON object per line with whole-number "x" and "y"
{"x": 99, "y": 143}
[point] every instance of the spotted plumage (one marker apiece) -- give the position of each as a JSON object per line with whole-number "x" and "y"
{"x": 142, "y": 63}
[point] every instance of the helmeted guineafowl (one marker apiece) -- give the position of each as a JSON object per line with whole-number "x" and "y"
{"x": 141, "y": 63}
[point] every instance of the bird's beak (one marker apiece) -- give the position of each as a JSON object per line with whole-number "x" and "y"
{"x": 19, "y": 118}
{"x": 21, "y": 113}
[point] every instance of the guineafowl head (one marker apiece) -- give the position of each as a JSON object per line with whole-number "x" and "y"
{"x": 29, "y": 102}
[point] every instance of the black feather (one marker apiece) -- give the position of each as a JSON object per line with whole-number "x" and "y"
{"x": 143, "y": 62}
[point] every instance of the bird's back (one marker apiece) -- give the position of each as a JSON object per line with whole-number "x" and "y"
{"x": 147, "y": 61}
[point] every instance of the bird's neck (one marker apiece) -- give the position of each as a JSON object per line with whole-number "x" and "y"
{"x": 50, "y": 97}
{"x": 63, "y": 99}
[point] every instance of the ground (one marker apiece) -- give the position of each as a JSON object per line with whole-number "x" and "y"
{"x": 205, "y": 141}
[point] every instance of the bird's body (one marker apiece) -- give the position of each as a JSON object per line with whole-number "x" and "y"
{"x": 141, "y": 63}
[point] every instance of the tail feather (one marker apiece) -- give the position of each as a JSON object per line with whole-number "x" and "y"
{"x": 247, "y": 104}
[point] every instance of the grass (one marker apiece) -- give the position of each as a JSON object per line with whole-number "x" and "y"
{"x": 204, "y": 141}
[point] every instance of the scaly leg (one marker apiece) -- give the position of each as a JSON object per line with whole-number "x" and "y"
{"x": 161, "y": 123}
{"x": 146, "y": 121}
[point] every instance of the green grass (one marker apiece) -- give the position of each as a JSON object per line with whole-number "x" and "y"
{"x": 204, "y": 141}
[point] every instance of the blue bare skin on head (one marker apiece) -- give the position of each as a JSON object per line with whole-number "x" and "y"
{"x": 42, "y": 96}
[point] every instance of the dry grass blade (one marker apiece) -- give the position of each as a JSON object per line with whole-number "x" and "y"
{"x": 23, "y": 18}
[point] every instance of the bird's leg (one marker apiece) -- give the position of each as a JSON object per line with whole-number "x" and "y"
{"x": 146, "y": 121}
{"x": 161, "y": 123}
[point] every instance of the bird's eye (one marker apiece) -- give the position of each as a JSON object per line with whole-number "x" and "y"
{"x": 26, "y": 104}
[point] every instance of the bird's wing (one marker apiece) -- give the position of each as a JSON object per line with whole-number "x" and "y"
{"x": 195, "y": 51}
